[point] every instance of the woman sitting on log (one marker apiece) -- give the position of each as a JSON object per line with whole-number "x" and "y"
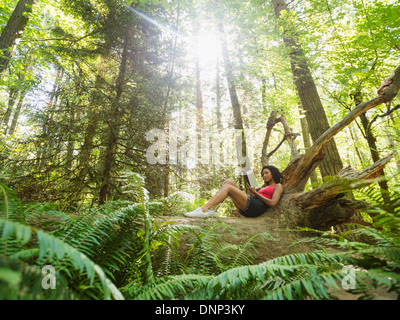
{"x": 252, "y": 205}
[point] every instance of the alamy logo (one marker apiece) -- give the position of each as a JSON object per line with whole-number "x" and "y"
{"x": 189, "y": 148}
{"x": 349, "y": 281}
{"x": 49, "y": 277}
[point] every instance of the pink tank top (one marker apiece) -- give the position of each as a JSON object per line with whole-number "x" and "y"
{"x": 267, "y": 191}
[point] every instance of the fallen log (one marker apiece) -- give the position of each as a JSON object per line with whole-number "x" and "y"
{"x": 332, "y": 189}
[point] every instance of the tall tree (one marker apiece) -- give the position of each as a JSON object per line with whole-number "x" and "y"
{"x": 371, "y": 140}
{"x": 307, "y": 91}
{"x": 13, "y": 31}
{"x": 199, "y": 94}
{"x": 241, "y": 149}
{"x": 218, "y": 94}
{"x": 114, "y": 122}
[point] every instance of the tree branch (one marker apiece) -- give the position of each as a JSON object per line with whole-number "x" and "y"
{"x": 331, "y": 190}
{"x": 295, "y": 177}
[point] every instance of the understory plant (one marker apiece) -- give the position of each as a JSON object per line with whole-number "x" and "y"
{"x": 121, "y": 250}
{"x": 365, "y": 268}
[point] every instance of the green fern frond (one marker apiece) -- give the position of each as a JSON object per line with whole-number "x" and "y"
{"x": 50, "y": 246}
{"x": 172, "y": 287}
{"x": 248, "y": 246}
{"x": 10, "y": 205}
{"x": 21, "y": 281}
{"x": 232, "y": 283}
{"x": 310, "y": 284}
{"x": 314, "y": 258}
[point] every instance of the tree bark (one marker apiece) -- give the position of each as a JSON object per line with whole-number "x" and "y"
{"x": 11, "y": 102}
{"x": 371, "y": 140}
{"x": 237, "y": 114}
{"x": 308, "y": 94}
{"x": 375, "y": 156}
{"x": 307, "y": 143}
{"x": 218, "y": 95}
{"x": 330, "y": 190}
{"x": 270, "y": 124}
{"x": 12, "y": 32}
{"x": 289, "y": 136}
{"x": 199, "y": 98}
{"x": 17, "y": 112}
{"x": 113, "y": 129}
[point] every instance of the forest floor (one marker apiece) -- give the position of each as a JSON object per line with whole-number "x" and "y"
{"x": 243, "y": 228}
{"x": 379, "y": 294}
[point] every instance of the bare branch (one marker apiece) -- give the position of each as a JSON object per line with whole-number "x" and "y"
{"x": 297, "y": 173}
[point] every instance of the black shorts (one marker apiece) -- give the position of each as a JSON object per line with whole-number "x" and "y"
{"x": 255, "y": 207}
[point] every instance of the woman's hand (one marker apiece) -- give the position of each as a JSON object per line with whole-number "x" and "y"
{"x": 251, "y": 190}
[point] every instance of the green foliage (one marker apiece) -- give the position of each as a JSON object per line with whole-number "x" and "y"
{"x": 87, "y": 251}
{"x": 86, "y": 110}
{"x": 117, "y": 251}
{"x": 211, "y": 273}
{"x": 49, "y": 247}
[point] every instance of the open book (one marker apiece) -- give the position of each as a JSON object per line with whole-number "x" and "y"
{"x": 250, "y": 178}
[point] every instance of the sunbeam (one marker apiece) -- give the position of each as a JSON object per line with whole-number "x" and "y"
{"x": 154, "y": 22}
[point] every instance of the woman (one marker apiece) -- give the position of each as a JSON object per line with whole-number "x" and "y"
{"x": 252, "y": 205}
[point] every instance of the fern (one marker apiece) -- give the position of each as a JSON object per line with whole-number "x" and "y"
{"x": 245, "y": 250}
{"x": 50, "y": 246}
{"x": 19, "y": 280}
{"x": 118, "y": 245}
{"x": 167, "y": 259}
{"x": 377, "y": 255}
{"x": 171, "y": 287}
{"x": 203, "y": 256}
{"x": 10, "y": 205}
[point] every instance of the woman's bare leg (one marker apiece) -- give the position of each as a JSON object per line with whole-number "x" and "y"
{"x": 237, "y": 205}
{"x": 228, "y": 189}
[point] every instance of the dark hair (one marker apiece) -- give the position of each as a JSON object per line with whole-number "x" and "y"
{"x": 276, "y": 174}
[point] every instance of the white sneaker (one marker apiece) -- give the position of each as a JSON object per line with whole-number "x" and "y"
{"x": 211, "y": 213}
{"x": 198, "y": 213}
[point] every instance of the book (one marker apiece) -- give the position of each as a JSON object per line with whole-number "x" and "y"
{"x": 250, "y": 178}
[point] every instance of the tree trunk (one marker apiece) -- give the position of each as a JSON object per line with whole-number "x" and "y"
{"x": 199, "y": 105}
{"x": 392, "y": 146}
{"x": 12, "y": 32}
{"x": 237, "y": 114}
{"x": 11, "y": 102}
{"x": 70, "y": 139}
{"x": 44, "y": 150}
{"x": 17, "y": 113}
{"x": 22, "y": 90}
{"x": 218, "y": 95}
{"x": 289, "y": 136}
{"x": 307, "y": 143}
{"x": 371, "y": 140}
{"x": 113, "y": 128}
{"x": 308, "y": 94}
{"x": 375, "y": 156}
{"x": 354, "y": 138}
{"x": 199, "y": 98}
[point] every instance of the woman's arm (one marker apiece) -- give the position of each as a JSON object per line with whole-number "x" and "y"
{"x": 275, "y": 197}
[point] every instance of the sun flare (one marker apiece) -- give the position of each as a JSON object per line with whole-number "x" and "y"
{"x": 207, "y": 47}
